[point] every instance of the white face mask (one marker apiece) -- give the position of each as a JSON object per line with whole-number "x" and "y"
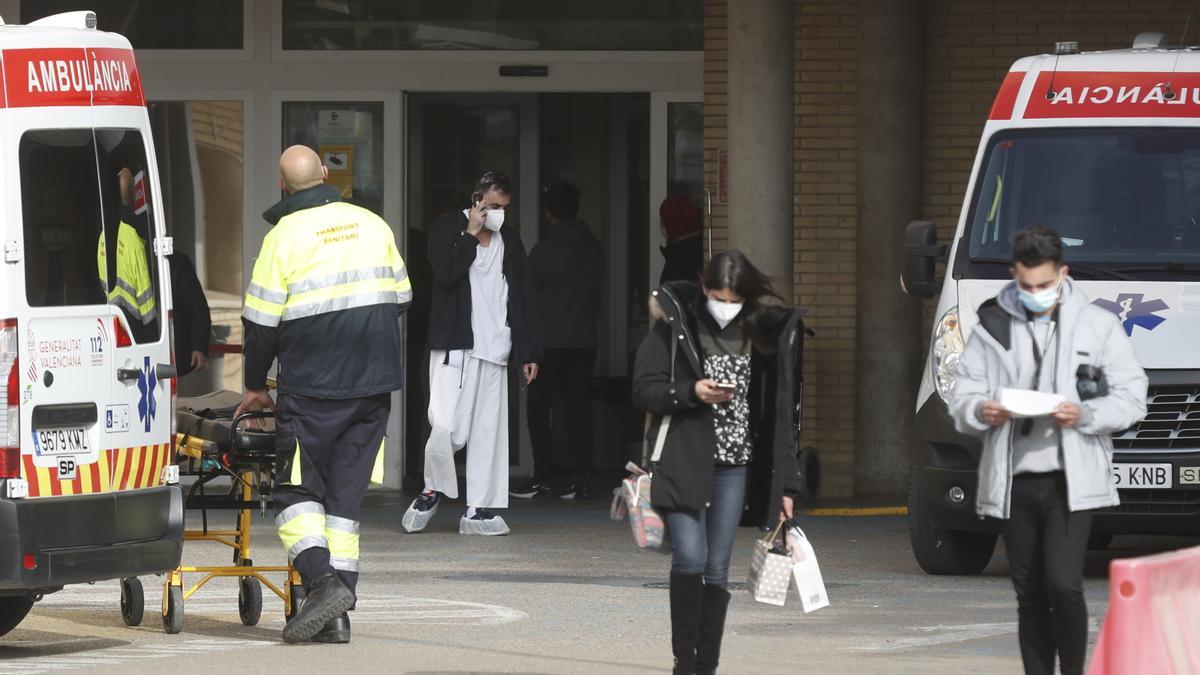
{"x": 494, "y": 220}
{"x": 724, "y": 312}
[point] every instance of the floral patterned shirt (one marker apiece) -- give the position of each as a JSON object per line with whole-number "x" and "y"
{"x": 727, "y": 359}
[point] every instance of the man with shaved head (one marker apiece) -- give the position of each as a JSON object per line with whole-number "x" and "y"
{"x": 324, "y": 301}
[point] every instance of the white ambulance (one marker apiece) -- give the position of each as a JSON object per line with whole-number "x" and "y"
{"x": 87, "y": 376}
{"x": 1104, "y": 148}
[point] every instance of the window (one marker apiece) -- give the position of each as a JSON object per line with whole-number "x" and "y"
{"x": 60, "y": 209}
{"x": 349, "y": 139}
{"x": 1117, "y": 196}
{"x": 211, "y": 24}
{"x": 489, "y": 24}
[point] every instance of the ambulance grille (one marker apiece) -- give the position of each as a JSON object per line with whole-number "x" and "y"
{"x": 1172, "y": 421}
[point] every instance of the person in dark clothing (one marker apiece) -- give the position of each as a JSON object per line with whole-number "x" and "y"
{"x": 717, "y": 376}
{"x": 684, "y": 251}
{"x": 483, "y": 318}
{"x": 193, "y": 321}
{"x": 568, "y": 270}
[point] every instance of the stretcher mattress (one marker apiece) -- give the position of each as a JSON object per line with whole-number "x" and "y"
{"x": 210, "y": 418}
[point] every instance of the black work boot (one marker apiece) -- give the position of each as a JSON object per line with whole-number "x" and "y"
{"x": 686, "y": 594}
{"x": 712, "y": 628}
{"x": 336, "y": 632}
{"x": 325, "y": 599}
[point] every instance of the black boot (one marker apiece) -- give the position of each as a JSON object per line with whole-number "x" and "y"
{"x": 335, "y": 632}
{"x": 712, "y": 628}
{"x": 686, "y": 593}
{"x": 325, "y": 599}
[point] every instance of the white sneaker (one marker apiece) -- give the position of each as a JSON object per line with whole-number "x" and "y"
{"x": 483, "y": 522}
{"x": 420, "y": 512}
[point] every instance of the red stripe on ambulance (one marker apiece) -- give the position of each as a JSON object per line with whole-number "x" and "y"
{"x": 71, "y": 77}
{"x": 1114, "y": 94}
{"x": 1006, "y": 98}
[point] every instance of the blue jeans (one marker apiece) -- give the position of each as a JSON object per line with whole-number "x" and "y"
{"x": 702, "y": 541}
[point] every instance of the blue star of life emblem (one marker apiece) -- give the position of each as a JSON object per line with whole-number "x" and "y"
{"x": 1132, "y": 310}
{"x": 147, "y": 405}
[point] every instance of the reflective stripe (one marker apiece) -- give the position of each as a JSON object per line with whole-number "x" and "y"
{"x": 339, "y": 278}
{"x": 342, "y": 544}
{"x": 340, "y": 303}
{"x": 401, "y": 276}
{"x": 341, "y": 524}
{"x": 305, "y": 543}
{"x": 275, "y": 297}
{"x": 297, "y": 509}
{"x": 260, "y": 317}
{"x": 343, "y": 564}
{"x": 377, "y": 470}
{"x": 404, "y": 297}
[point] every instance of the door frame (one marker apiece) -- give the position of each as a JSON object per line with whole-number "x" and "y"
{"x": 660, "y": 102}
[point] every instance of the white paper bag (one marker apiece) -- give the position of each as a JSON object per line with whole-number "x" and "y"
{"x": 770, "y": 572}
{"x": 806, "y": 574}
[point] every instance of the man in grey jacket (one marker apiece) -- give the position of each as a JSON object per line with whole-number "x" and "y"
{"x": 1044, "y": 475}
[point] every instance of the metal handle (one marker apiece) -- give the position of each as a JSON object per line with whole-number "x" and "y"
{"x": 128, "y": 374}
{"x": 166, "y": 371}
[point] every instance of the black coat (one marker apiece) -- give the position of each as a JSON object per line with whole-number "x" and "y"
{"x": 568, "y": 275}
{"x": 683, "y": 259}
{"x": 683, "y": 476}
{"x": 451, "y": 254}
{"x": 193, "y": 321}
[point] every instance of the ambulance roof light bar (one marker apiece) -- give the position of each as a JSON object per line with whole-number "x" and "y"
{"x": 1065, "y": 48}
{"x": 82, "y": 19}
{"x": 1149, "y": 40}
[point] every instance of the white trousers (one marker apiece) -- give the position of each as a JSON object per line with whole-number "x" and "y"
{"x": 468, "y": 407}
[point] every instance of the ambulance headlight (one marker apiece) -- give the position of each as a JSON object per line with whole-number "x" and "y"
{"x": 946, "y": 352}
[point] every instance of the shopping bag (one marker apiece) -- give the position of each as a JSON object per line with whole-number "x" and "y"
{"x": 770, "y": 570}
{"x": 806, "y": 574}
{"x": 645, "y": 521}
{"x": 618, "y": 511}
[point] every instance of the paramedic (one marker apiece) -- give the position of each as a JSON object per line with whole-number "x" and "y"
{"x": 484, "y": 315}
{"x": 324, "y": 300}
{"x": 133, "y": 291}
{"x": 1045, "y": 475}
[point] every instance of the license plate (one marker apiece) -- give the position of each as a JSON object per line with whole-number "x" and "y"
{"x": 1142, "y": 476}
{"x": 67, "y": 469}
{"x": 62, "y": 441}
{"x": 1189, "y": 475}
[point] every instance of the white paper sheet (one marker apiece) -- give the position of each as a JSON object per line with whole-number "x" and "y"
{"x": 1027, "y": 403}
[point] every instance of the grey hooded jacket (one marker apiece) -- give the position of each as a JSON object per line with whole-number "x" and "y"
{"x": 1087, "y": 334}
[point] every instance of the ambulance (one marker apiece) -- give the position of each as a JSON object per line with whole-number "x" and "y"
{"x": 87, "y": 378}
{"x": 1104, "y": 147}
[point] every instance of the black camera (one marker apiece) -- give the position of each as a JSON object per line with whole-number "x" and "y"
{"x": 1090, "y": 382}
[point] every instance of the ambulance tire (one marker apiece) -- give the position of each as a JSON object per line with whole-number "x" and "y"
{"x": 296, "y": 593}
{"x": 250, "y": 601}
{"x": 133, "y": 601}
{"x": 12, "y": 611}
{"x": 173, "y": 616}
{"x": 944, "y": 551}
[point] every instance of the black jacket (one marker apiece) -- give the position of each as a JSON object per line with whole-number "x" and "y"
{"x": 568, "y": 274}
{"x": 683, "y": 475}
{"x": 193, "y": 321}
{"x": 683, "y": 259}
{"x": 350, "y": 353}
{"x": 451, "y": 254}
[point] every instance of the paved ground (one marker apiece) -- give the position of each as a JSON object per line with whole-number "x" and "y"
{"x": 565, "y": 593}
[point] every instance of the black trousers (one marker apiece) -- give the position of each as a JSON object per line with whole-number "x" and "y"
{"x": 326, "y": 451}
{"x": 1047, "y": 545}
{"x": 568, "y": 371}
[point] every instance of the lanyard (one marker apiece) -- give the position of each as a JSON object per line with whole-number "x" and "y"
{"x": 1038, "y": 360}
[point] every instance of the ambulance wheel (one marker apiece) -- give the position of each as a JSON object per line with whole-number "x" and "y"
{"x": 250, "y": 601}
{"x": 944, "y": 551}
{"x": 133, "y": 601}
{"x": 173, "y": 613}
{"x": 296, "y": 593}
{"x": 12, "y": 611}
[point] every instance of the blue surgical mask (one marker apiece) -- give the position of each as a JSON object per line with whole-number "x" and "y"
{"x": 1040, "y": 301}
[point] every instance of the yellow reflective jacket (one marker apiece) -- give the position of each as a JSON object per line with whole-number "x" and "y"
{"x": 134, "y": 288}
{"x": 324, "y": 299}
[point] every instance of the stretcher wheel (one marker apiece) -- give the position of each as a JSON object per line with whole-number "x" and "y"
{"x": 133, "y": 601}
{"x": 296, "y": 593}
{"x": 250, "y": 601}
{"x": 173, "y": 611}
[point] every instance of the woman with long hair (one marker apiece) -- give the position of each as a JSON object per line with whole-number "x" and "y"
{"x": 710, "y": 375}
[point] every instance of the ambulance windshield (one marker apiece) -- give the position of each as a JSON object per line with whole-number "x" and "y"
{"x": 1125, "y": 200}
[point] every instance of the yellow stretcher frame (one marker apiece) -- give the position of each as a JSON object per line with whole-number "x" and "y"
{"x": 175, "y": 591}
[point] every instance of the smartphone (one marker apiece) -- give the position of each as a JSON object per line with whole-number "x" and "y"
{"x": 727, "y": 386}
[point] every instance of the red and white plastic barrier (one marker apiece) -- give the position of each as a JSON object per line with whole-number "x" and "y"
{"x": 1153, "y": 622}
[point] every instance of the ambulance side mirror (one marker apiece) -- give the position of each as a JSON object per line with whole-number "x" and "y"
{"x": 921, "y": 256}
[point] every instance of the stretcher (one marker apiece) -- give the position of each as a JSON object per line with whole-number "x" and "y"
{"x": 211, "y": 444}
